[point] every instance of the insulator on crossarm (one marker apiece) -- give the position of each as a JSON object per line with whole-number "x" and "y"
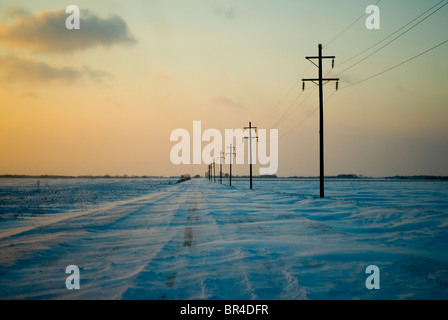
{"x": 332, "y": 64}
{"x": 303, "y": 86}
{"x": 337, "y": 85}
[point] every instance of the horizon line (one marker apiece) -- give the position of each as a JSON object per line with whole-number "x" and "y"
{"x": 107, "y": 176}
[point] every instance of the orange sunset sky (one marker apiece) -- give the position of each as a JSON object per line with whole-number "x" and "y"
{"x": 104, "y": 99}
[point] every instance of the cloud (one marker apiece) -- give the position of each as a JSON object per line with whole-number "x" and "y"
{"x": 402, "y": 90}
{"x": 14, "y": 12}
{"x": 223, "y": 102}
{"x": 45, "y": 31}
{"x": 399, "y": 88}
{"x": 347, "y": 79}
{"x": 164, "y": 77}
{"x": 32, "y": 71}
{"x": 224, "y": 11}
{"x": 31, "y": 95}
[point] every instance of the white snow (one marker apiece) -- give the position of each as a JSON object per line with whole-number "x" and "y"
{"x": 203, "y": 240}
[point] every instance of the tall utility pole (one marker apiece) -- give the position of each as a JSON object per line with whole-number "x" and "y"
{"x": 320, "y": 81}
{"x": 231, "y": 153}
{"x": 221, "y": 156}
{"x": 250, "y": 147}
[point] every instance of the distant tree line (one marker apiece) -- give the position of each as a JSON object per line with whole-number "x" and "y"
{"x": 106, "y": 176}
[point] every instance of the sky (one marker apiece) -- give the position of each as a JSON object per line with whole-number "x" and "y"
{"x": 105, "y": 99}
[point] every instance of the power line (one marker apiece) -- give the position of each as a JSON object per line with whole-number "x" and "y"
{"x": 281, "y": 100}
{"x": 351, "y": 25}
{"x": 397, "y": 65}
{"x": 307, "y": 117}
{"x": 289, "y": 91}
{"x": 298, "y": 106}
{"x": 282, "y": 118}
{"x": 371, "y": 54}
{"x": 284, "y": 97}
{"x": 390, "y": 35}
{"x": 368, "y": 78}
{"x": 299, "y": 124}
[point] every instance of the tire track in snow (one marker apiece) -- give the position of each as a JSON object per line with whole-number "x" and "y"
{"x": 153, "y": 240}
{"x": 190, "y": 265}
{"x": 236, "y": 284}
{"x": 160, "y": 276}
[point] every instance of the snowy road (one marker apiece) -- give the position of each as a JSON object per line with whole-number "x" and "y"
{"x": 201, "y": 240}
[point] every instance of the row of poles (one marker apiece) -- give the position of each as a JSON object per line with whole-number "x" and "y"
{"x": 318, "y": 81}
{"x": 232, "y": 153}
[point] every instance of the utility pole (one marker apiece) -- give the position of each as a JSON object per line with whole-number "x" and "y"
{"x": 250, "y": 148}
{"x": 320, "y": 81}
{"x": 214, "y": 171}
{"x": 231, "y": 153}
{"x": 221, "y": 156}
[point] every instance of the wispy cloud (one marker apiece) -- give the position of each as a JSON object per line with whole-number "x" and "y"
{"x": 226, "y": 12}
{"x": 15, "y": 12}
{"x": 223, "y": 10}
{"x": 347, "y": 79}
{"x": 223, "y": 102}
{"x": 45, "y": 31}
{"x": 31, "y": 95}
{"x": 32, "y": 71}
{"x": 164, "y": 77}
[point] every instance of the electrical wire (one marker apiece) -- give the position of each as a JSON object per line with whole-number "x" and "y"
{"x": 298, "y": 125}
{"x": 285, "y": 116}
{"x": 351, "y": 25}
{"x": 390, "y": 35}
{"x": 306, "y": 118}
{"x": 396, "y": 66}
{"x": 292, "y": 129}
{"x": 406, "y": 31}
{"x": 368, "y": 78}
{"x": 377, "y": 74}
{"x": 278, "y": 104}
{"x": 284, "y": 97}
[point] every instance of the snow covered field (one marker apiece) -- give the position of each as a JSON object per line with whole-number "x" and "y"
{"x": 203, "y": 240}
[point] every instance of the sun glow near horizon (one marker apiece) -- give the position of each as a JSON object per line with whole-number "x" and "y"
{"x": 105, "y": 100}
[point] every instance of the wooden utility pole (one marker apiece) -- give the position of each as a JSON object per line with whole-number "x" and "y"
{"x": 221, "y": 156}
{"x": 320, "y": 83}
{"x": 231, "y": 153}
{"x": 250, "y": 148}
